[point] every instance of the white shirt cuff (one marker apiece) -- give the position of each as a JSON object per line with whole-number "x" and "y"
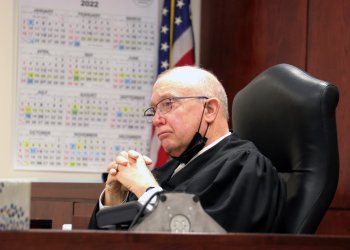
{"x": 148, "y": 194}
{"x": 100, "y": 204}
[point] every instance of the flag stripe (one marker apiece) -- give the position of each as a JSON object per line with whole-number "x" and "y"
{"x": 187, "y": 59}
{"x": 182, "y": 46}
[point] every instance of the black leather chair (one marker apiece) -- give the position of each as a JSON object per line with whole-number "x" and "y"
{"x": 290, "y": 116}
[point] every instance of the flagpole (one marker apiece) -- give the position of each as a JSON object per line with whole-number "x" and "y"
{"x": 172, "y": 13}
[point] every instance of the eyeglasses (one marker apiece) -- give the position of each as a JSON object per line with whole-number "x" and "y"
{"x": 165, "y": 106}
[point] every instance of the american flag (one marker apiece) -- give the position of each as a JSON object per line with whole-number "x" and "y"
{"x": 176, "y": 48}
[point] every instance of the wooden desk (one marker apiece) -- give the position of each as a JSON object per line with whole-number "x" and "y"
{"x": 64, "y": 203}
{"x": 84, "y": 239}
{"x": 72, "y": 203}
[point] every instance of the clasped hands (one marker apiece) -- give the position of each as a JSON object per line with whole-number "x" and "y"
{"x": 129, "y": 172}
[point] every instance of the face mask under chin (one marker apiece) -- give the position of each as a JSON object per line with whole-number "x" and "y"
{"x": 197, "y": 144}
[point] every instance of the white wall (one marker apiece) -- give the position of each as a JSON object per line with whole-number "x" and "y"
{"x": 7, "y": 99}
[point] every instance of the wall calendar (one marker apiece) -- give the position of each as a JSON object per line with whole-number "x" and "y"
{"x": 85, "y": 71}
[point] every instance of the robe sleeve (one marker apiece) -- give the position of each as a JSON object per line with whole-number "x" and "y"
{"x": 246, "y": 195}
{"x": 93, "y": 220}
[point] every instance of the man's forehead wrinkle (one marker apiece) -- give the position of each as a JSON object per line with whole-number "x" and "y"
{"x": 165, "y": 91}
{"x": 161, "y": 96}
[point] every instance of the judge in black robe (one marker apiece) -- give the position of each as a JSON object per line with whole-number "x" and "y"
{"x": 237, "y": 186}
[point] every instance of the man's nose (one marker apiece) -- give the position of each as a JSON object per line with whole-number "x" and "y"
{"x": 158, "y": 119}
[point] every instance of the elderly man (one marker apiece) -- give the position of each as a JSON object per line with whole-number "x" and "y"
{"x": 237, "y": 185}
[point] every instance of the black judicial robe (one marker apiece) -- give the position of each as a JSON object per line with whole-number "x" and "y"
{"x": 237, "y": 186}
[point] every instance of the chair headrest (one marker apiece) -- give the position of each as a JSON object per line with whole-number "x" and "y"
{"x": 285, "y": 106}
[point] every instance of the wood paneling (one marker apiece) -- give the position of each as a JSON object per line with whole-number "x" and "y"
{"x": 81, "y": 191}
{"x": 240, "y": 39}
{"x": 328, "y": 59}
{"x": 82, "y": 213}
{"x": 64, "y": 203}
{"x": 335, "y": 222}
{"x": 59, "y": 212}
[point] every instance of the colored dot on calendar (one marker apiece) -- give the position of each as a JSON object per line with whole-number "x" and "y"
{"x": 26, "y": 144}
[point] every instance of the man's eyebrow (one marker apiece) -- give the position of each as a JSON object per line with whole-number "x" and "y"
{"x": 162, "y": 98}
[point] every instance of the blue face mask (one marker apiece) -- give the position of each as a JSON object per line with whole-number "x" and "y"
{"x": 197, "y": 144}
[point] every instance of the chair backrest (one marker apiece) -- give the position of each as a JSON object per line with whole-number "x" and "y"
{"x": 290, "y": 116}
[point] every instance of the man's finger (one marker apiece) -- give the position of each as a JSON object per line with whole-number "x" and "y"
{"x": 113, "y": 171}
{"x": 133, "y": 154}
{"x": 120, "y": 159}
{"x": 148, "y": 160}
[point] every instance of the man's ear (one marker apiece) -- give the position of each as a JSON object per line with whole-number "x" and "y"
{"x": 211, "y": 109}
